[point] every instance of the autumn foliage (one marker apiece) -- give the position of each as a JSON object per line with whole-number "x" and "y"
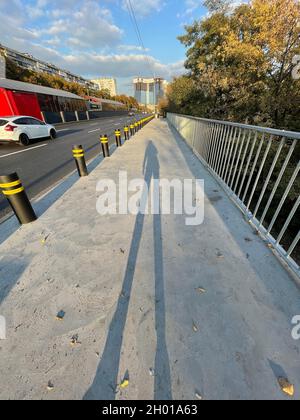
{"x": 240, "y": 64}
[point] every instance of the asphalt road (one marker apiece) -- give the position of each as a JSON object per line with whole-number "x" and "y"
{"x": 46, "y": 162}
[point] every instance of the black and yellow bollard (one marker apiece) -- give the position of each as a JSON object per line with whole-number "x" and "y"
{"x": 78, "y": 154}
{"x": 136, "y": 127}
{"x": 118, "y": 138}
{"x": 126, "y": 132}
{"x": 14, "y": 191}
{"x": 131, "y": 130}
{"x": 105, "y": 146}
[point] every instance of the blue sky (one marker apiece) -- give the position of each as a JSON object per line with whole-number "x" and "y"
{"x": 96, "y": 37}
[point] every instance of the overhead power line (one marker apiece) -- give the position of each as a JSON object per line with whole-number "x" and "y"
{"x": 135, "y": 24}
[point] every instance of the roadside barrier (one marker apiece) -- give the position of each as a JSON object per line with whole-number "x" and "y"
{"x": 131, "y": 130}
{"x": 105, "y": 146}
{"x": 126, "y": 132}
{"x": 78, "y": 154}
{"x": 12, "y": 188}
{"x": 14, "y": 191}
{"x": 118, "y": 138}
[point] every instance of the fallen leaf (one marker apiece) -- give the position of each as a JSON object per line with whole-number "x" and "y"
{"x": 50, "y": 386}
{"x": 198, "y": 396}
{"x": 60, "y": 316}
{"x": 195, "y": 328}
{"x": 74, "y": 340}
{"x": 124, "y": 384}
{"x": 286, "y": 386}
{"x": 151, "y": 372}
{"x": 44, "y": 239}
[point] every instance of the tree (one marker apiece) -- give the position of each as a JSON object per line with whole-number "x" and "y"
{"x": 217, "y": 5}
{"x": 129, "y": 101}
{"x": 241, "y": 63}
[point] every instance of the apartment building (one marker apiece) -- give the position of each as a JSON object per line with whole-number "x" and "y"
{"x": 107, "y": 83}
{"x": 29, "y": 62}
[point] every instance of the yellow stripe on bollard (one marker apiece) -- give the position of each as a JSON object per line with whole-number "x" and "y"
{"x": 10, "y": 184}
{"x": 13, "y": 192}
{"x": 12, "y": 188}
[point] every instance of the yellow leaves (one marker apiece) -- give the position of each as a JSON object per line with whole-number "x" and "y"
{"x": 124, "y": 384}
{"x": 286, "y": 387}
{"x": 274, "y": 23}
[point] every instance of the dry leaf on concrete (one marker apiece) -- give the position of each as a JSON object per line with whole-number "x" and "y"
{"x": 286, "y": 386}
{"x": 124, "y": 384}
{"x": 50, "y": 386}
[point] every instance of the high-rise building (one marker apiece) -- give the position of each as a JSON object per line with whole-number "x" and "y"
{"x": 107, "y": 83}
{"x": 148, "y": 92}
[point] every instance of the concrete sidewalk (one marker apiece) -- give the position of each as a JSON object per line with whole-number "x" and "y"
{"x": 129, "y": 287}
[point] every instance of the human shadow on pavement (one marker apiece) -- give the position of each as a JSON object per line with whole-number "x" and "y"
{"x": 106, "y": 378}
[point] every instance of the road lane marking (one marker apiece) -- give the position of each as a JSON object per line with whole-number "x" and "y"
{"x": 93, "y": 131}
{"x": 23, "y": 151}
{"x": 64, "y": 129}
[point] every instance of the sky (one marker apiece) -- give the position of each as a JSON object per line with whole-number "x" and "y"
{"x": 95, "y": 38}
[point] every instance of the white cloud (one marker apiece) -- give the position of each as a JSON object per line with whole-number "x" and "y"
{"x": 191, "y": 8}
{"x": 122, "y": 65}
{"x": 80, "y": 41}
{"x": 129, "y": 48}
{"x": 145, "y": 7}
{"x": 84, "y": 29}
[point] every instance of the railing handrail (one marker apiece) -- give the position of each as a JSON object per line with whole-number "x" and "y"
{"x": 273, "y": 131}
{"x": 245, "y": 160}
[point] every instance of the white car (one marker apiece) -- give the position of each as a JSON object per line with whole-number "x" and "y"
{"x": 22, "y": 130}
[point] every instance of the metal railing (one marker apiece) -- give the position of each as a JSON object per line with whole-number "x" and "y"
{"x": 259, "y": 168}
